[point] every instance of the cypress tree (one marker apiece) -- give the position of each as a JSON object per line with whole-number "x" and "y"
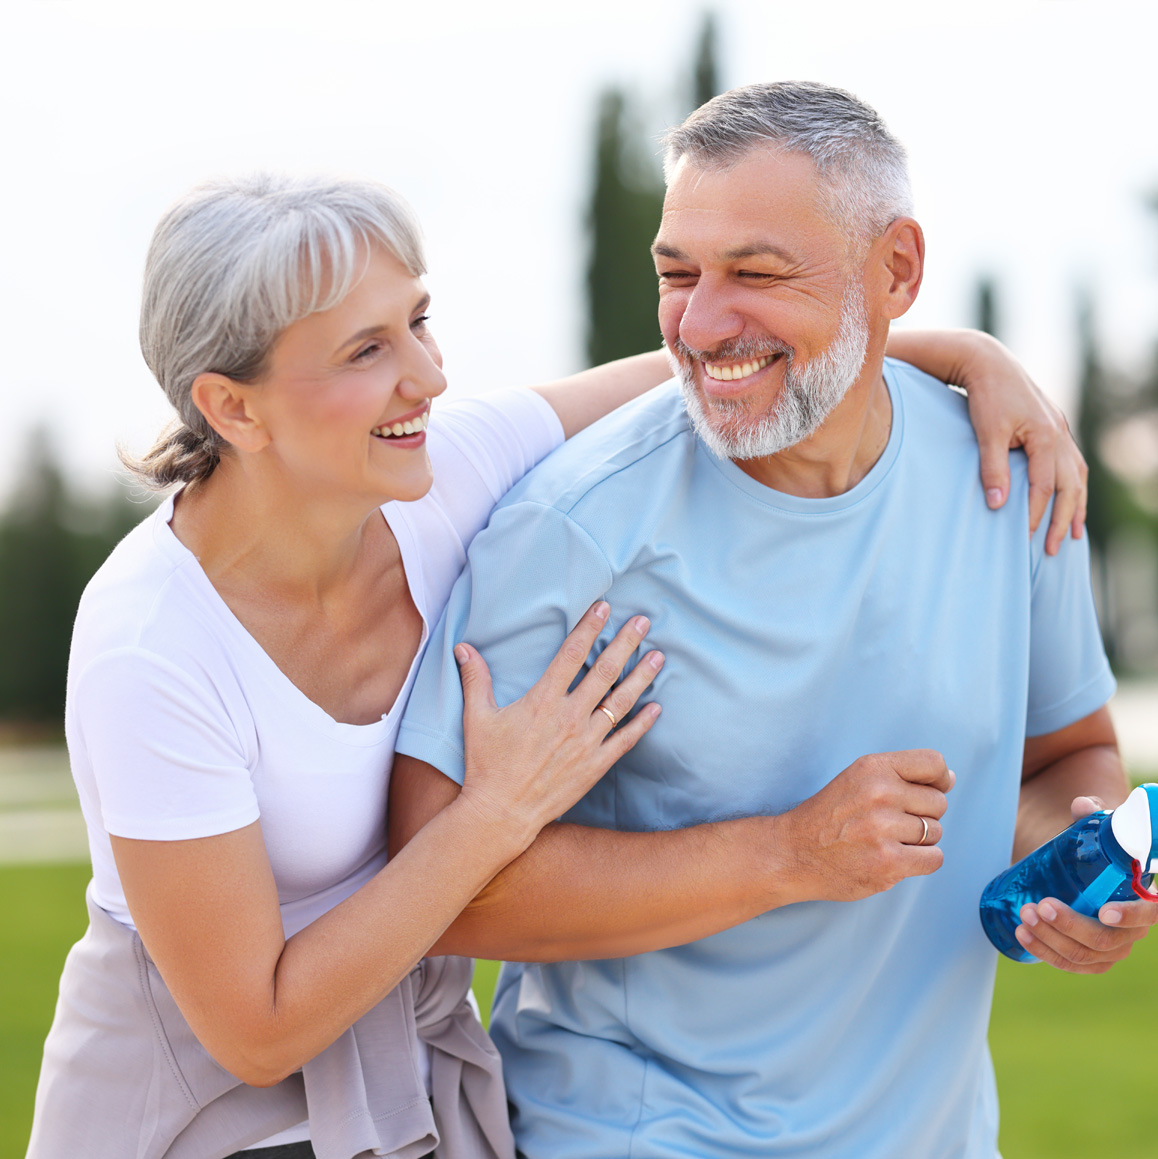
{"x": 623, "y": 216}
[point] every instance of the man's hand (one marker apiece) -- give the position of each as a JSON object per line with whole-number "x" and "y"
{"x": 1053, "y": 932}
{"x": 876, "y": 823}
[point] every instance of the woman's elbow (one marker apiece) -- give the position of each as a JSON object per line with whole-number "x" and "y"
{"x": 254, "y": 1062}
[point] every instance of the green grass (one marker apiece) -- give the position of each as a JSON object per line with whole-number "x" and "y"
{"x": 1074, "y": 1059}
{"x": 1073, "y": 1055}
{"x": 41, "y": 914}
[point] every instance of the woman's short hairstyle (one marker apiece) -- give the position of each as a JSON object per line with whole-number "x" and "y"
{"x": 231, "y": 265}
{"x": 862, "y": 166}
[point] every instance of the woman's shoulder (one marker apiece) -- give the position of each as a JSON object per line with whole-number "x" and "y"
{"x": 144, "y": 596}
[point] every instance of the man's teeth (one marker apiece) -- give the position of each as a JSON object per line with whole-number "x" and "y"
{"x": 409, "y": 427}
{"x": 736, "y": 369}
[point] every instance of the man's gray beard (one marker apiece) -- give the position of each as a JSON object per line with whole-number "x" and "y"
{"x": 809, "y": 394}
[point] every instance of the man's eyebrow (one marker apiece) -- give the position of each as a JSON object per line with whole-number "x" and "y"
{"x": 757, "y": 250}
{"x": 370, "y": 331}
{"x": 738, "y": 254}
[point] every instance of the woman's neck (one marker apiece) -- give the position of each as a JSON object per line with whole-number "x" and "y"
{"x": 253, "y": 531}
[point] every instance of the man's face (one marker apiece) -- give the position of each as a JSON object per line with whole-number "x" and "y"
{"x": 762, "y": 313}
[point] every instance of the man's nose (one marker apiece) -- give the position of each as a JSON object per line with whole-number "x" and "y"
{"x": 709, "y": 318}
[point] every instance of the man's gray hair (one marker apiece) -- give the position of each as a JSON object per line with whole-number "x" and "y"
{"x": 231, "y": 265}
{"x": 863, "y": 168}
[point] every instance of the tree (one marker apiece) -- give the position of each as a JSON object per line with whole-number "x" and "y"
{"x": 987, "y": 306}
{"x": 50, "y": 545}
{"x": 623, "y": 215}
{"x": 705, "y": 75}
{"x": 626, "y": 203}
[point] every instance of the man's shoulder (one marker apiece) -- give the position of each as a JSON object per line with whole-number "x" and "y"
{"x": 612, "y": 457}
{"x": 936, "y": 421}
{"x": 928, "y": 399}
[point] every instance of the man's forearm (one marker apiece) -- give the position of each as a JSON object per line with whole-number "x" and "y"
{"x": 1044, "y": 807}
{"x": 583, "y": 893}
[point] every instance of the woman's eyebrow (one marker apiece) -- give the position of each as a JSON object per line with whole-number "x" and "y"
{"x": 370, "y": 331}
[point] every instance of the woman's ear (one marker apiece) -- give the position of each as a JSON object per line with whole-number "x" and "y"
{"x": 226, "y": 406}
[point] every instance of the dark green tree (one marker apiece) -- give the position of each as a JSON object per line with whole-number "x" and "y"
{"x": 623, "y": 215}
{"x": 705, "y": 75}
{"x": 987, "y": 319}
{"x": 626, "y": 203}
{"x": 49, "y": 548}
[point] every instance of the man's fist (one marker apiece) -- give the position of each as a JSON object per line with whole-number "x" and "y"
{"x": 874, "y": 824}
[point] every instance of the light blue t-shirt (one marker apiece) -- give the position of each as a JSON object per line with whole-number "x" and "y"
{"x": 800, "y": 634}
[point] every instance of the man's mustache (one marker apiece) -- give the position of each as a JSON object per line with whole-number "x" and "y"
{"x": 734, "y": 350}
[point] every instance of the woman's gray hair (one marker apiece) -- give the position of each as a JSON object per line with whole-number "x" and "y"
{"x": 234, "y": 263}
{"x": 863, "y": 167}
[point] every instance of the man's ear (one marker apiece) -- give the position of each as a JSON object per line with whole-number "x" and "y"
{"x": 227, "y": 407}
{"x": 900, "y": 250}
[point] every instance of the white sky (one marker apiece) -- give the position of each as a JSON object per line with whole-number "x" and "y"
{"x": 1031, "y": 125}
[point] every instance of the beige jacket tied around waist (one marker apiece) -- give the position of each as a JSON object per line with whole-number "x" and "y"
{"x": 124, "y": 1077}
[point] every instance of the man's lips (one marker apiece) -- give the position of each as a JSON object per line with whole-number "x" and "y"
{"x": 726, "y": 379}
{"x": 731, "y": 371}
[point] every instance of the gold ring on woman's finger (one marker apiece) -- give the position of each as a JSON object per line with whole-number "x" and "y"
{"x": 924, "y": 831}
{"x": 609, "y": 714}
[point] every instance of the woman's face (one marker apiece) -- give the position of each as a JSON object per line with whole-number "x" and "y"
{"x": 340, "y": 383}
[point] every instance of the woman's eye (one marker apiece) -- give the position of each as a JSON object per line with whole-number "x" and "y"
{"x": 367, "y": 352}
{"x": 419, "y": 323}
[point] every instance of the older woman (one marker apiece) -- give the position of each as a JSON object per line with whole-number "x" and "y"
{"x": 253, "y": 974}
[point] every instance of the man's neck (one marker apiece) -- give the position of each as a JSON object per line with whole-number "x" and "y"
{"x": 841, "y": 453}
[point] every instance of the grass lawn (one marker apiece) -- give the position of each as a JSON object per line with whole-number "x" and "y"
{"x": 1072, "y": 1054}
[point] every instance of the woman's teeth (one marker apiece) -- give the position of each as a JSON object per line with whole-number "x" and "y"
{"x": 737, "y": 369}
{"x": 409, "y": 427}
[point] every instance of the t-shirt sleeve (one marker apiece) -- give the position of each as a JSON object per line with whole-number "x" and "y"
{"x": 530, "y": 576}
{"x": 485, "y": 446}
{"x": 166, "y": 758}
{"x": 1069, "y": 675}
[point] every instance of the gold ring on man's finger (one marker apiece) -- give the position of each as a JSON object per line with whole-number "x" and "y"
{"x": 609, "y": 714}
{"x": 924, "y": 830}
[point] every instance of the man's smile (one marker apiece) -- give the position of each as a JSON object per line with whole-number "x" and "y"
{"x": 729, "y": 372}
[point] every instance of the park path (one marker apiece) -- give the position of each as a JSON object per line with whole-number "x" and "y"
{"x": 40, "y": 817}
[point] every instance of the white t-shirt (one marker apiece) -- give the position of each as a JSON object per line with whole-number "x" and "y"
{"x": 180, "y": 726}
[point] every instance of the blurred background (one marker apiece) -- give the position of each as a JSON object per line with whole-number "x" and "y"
{"x": 525, "y": 137}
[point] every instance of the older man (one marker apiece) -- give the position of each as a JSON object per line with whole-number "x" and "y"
{"x": 754, "y": 952}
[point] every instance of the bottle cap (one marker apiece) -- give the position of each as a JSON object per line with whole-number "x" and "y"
{"x": 1133, "y": 825}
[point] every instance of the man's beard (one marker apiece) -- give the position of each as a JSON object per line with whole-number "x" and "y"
{"x": 735, "y": 429}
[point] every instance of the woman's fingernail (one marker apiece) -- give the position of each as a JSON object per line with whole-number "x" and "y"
{"x": 993, "y": 496}
{"x": 602, "y": 610}
{"x": 1029, "y": 916}
{"x": 641, "y": 624}
{"x": 1111, "y": 917}
{"x": 461, "y": 654}
{"x": 1047, "y": 911}
{"x": 656, "y": 660}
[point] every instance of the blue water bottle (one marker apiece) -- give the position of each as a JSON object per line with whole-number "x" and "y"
{"x": 1110, "y": 855}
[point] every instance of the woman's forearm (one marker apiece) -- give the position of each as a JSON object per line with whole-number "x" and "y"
{"x": 262, "y": 1005}
{"x": 943, "y": 354}
{"x": 589, "y": 395}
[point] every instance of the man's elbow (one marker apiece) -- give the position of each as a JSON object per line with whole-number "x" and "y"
{"x": 418, "y": 792}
